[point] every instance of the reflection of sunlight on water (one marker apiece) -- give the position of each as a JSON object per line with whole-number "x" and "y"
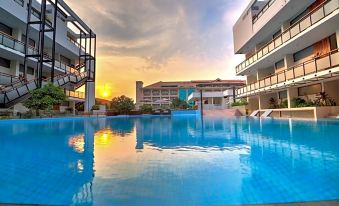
{"x": 104, "y": 137}
{"x": 77, "y": 143}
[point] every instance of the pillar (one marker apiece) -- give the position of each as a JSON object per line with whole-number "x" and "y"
{"x": 90, "y": 96}
{"x": 292, "y": 93}
{"x": 337, "y": 35}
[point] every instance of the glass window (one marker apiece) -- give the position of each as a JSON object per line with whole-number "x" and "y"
{"x": 308, "y": 90}
{"x": 304, "y": 54}
{"x": 65, "y": 60}
{"x": 333, "y": 42}
{"x": 30, "y": 70}
{"x": 280, "y": 65}
{"x": 282, "y": 95}
{"x": 6, "y": 29}
{"x": 5, "y": 62}
{"x": 31, "y": 42}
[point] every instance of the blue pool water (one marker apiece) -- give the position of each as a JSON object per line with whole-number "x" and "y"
{"x": 168, "y": 161}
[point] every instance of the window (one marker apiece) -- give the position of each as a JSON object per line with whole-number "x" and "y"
{"x": 282, "y": 95}
{"x": 277, "y": 34}
{"x": 30, "y": 70}
{"x": 65, "y": 60}
{"x": 304, "y": 54}
{"x": 300, "y": 16}
{"x": 6, "y": 29}
{"x": 5, "y": 62}
{"x": 31, "y": 42}
{"x": 280, "y": 65}
{"x": 333, "y": 42}
{"x": 309, "y": 90}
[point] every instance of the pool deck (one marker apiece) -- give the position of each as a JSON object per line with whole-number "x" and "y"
{"x": 319, "y": 203}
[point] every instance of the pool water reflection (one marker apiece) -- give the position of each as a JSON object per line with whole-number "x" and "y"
{"x": 168, "y": 161}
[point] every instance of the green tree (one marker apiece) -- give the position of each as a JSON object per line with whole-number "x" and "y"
{"x": 146, "y": 108}
{"x": 179, "y": 104}
{"x": 44, "y": 98}
{"x": 122, "y": 104}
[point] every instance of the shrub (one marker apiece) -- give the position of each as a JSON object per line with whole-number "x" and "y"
{"x": 299, "y": 102}
{"x": 241, "y": 102}
{"x": 122, "y": 104}
{"x": 323, "y": 100}
{"x": 283, "y": 104}
{"x": 146, "y": 109}
{"x": 95, "y": 107}
{"x": 179, "y": 104}
{"x": 44, "y": 98}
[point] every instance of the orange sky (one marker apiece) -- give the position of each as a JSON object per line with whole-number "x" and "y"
{"x": 160, "y": 41}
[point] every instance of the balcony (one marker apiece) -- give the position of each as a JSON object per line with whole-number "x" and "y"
{"x": 75, "y": 94}
{"x": 20, "y": 2}
{"x": 293, "y": 32}
{"x": 262, "y": 11}
{"x": 322, "y": 67}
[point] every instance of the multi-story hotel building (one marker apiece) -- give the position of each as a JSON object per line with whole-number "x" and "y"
{"x": 216, "y": 94}
{"x": 291, "y": 50}
{"x": 60, "y": 49}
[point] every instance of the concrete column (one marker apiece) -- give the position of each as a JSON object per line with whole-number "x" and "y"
{"x": 337, "y": 35}
{"x": 289, "y": 61}
{"x": 292, "y": 93}
{"x": 15, "y": 67}
{"x": 90, "y": 96}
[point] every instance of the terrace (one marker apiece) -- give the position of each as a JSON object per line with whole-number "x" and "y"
{"x": 322, "y": 67}
{"x": 296, "y": 31}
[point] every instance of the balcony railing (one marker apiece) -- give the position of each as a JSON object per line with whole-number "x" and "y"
{"x": 314, "y": 16}
{"x": 19, "y": 46}
{"x": 20, "y": 2}
{"x": 75, "y": 94}
{"x": 313, "y": 66}
{"x": 263, "y": 10}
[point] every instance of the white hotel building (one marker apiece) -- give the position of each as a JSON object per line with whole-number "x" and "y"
{"x": 61, "y": 49}
{"x": 291, "y": 49}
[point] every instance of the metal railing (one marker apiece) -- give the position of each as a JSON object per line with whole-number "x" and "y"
{"x": 262, "y": 11}
{"x": 12, "y": 94}
{"x": 7, "y": 79}
{"x": 20, "y": 2}
{"x": 75, "y": 94}
{"x": 320, "y": 63}
{"x": 17, "y": 45}
{"x": 314, "y": 16}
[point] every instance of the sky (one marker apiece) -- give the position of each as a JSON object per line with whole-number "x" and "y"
{"x": 160, "y": 40}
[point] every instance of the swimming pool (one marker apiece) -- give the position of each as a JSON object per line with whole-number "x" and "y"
{"x": 168, "y": 161}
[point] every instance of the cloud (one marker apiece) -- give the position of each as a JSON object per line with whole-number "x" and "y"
{"x": 157, "y": 40}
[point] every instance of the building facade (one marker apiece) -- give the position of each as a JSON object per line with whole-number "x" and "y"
{"x": 291, "y": 51}
{"x": 60, "y": 49}
{"x": 215, "y": 93}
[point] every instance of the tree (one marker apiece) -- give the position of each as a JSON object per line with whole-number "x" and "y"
{"x": 44, "y": 98}
{"x": 122, "y": 104}
{"x": 146, "y": 108}
{"x": 179, "y": 104}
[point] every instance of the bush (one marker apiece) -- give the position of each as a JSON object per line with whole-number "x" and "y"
{"x": 241, "y": 102}
{"x": 146, "y": 109}
{"x": 299, "y": 102}
{"x": 44, "y": 98}
{"x": 122, "y": 104}
{"x": 179, "y": 104}
{"x": 95, "y": 107}
{"x": 283, "y": 104}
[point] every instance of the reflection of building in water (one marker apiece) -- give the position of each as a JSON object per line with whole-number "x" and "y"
{"x": 171, "y": 132}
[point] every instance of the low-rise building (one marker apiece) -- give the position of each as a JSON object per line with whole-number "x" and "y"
{"x": 216, "y": 94}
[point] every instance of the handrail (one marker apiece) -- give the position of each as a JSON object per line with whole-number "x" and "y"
{"x": 262, "y": 11}
{"x": 261, "y": 53}
{"x": 292, "y": 68}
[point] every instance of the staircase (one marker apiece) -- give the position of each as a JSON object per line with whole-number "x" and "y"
{"x": 9, "y": 96}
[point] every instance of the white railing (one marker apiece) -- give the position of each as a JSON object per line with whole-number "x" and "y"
{"x": 314, "y": 16}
